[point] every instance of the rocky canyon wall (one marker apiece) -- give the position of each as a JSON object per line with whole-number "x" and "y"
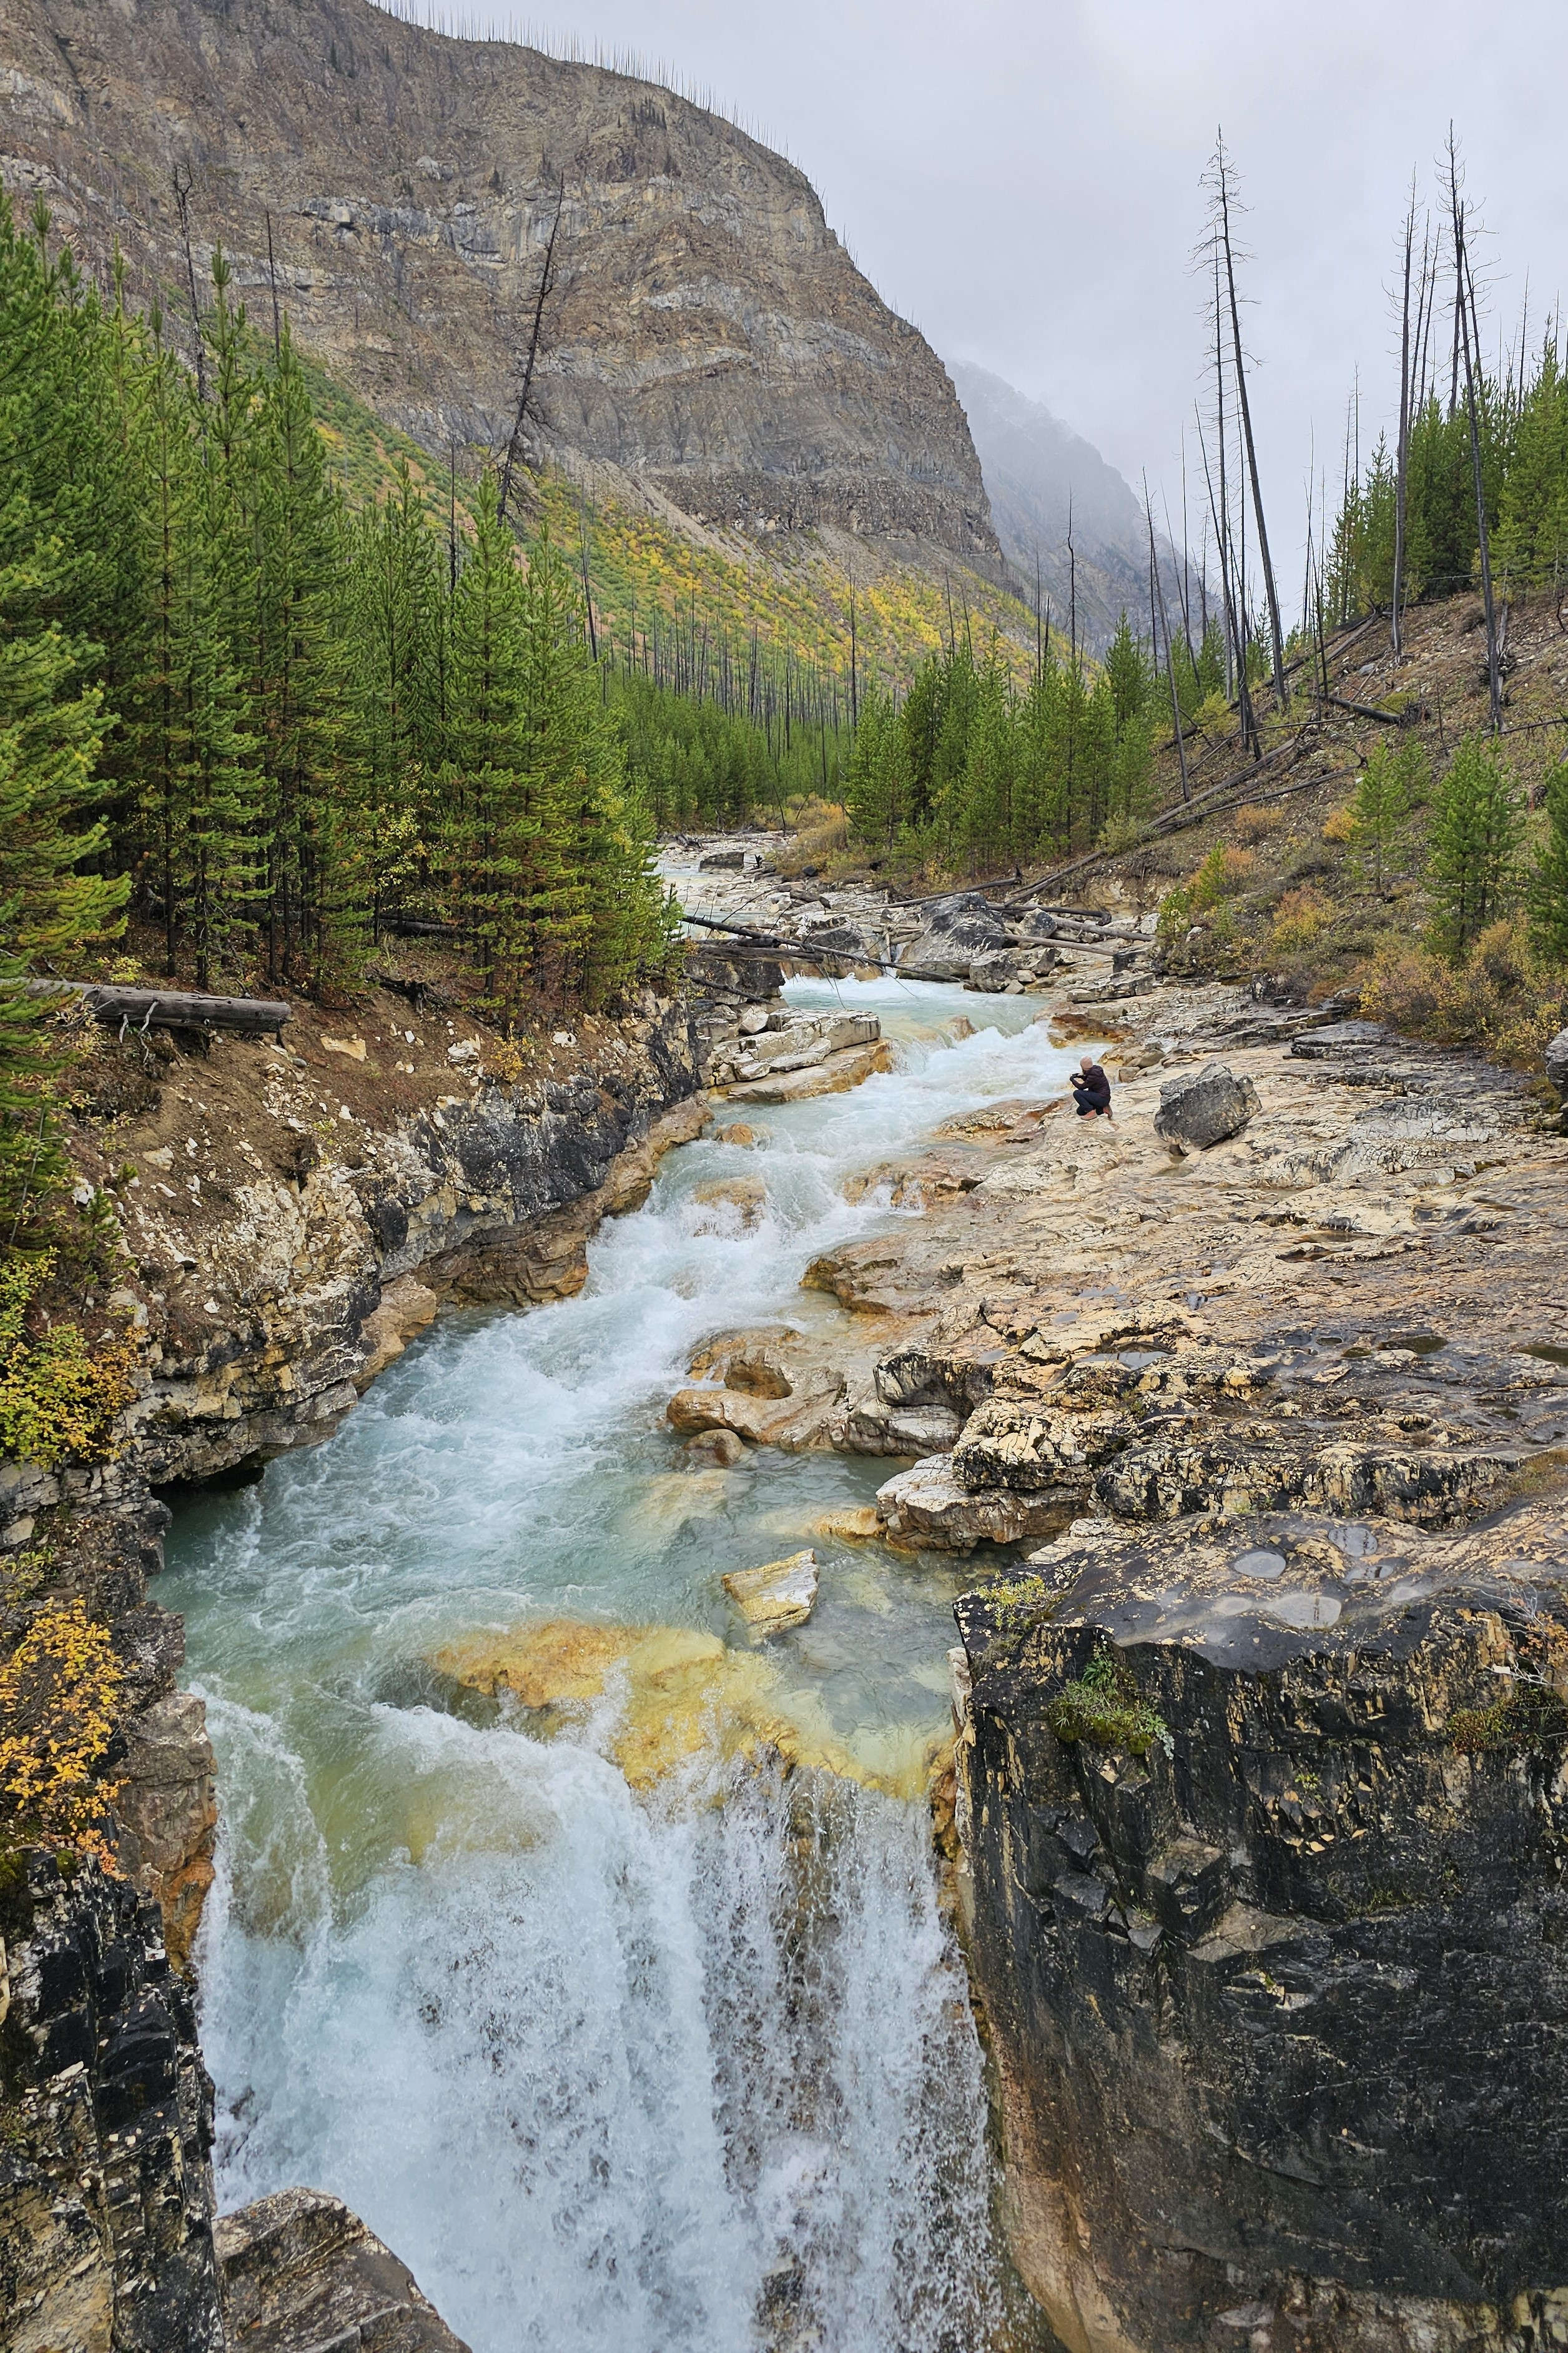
{"x": 710, "y": 335}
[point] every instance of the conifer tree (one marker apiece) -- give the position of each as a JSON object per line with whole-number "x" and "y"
{"x": 1472, "y": 845}
{"x": 1548, "y": 883}
{"x": 491, "y": 848}
{"x": 1386, "y": 790}
{"x": 300, "y": 689}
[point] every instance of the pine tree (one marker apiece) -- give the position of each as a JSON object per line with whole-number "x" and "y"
{"x": 1386, "y": 790}
{"x": 1472, "y": 845}
{"x": 489, "y": 849}
{"x": 399, "y": 623}
{"x": 1548, "y": 883}
{"x": 300, "y": 689}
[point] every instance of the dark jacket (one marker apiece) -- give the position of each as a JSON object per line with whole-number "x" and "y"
{"x": 1092, "y": 1087}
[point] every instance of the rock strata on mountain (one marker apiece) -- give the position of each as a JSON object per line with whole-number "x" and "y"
{"x": 710, "y": 335}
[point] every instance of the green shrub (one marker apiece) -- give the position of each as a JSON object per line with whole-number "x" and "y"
{"x": 1105, "y": 1708}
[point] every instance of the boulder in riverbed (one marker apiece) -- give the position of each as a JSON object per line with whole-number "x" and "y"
{"x": 1203, "y": 1108}
{"x": 927, "y": 1505}
{"x": 957, "y": 930}
{"x": 1557, "y": 1063}
{"x": 781, "y": 1593}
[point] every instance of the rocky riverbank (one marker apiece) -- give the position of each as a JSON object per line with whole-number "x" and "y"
{"x": 1261, "y": 1797}
{"x": 291, "y": 1213}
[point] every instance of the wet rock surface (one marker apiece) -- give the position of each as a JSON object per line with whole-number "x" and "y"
{"x": 302, "y": 2275}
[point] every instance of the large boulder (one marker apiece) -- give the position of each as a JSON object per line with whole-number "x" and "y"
{"x": 1557, "y": 1063}
{"x": 992, "y": 972}
{"x": 956, "y": 931}
{"x": 1205, "y": 1107}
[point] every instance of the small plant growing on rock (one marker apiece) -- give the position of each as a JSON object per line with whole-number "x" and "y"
{"x": 1105, "y": 1708}
{"x": 1528, "y": 1720}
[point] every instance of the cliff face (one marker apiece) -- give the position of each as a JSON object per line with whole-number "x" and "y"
{"x": 710, "y": 335}
{"x": 1279, "y": 2003}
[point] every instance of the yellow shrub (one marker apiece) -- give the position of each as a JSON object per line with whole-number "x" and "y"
{"x": 1502, "y": 998}
{"x": 58, "y": 1692}
{"x": 503, "y": 1063}
{"x": 58, "y": 1397}
{"x": 1340, "y": 825}
{"x": 1256, "y": 823}
{"x": 1299, "y": 919}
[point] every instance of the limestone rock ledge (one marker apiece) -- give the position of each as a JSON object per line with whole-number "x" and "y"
{"x": 1269, "y": 1923}
{"x": 302, "y": 2273}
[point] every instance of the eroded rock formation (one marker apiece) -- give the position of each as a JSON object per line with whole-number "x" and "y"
{"x": 711, "y": 337}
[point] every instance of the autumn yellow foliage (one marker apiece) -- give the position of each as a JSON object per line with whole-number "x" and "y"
{"x": 58, "y": 1395}
{"x": 58, "y": 1692}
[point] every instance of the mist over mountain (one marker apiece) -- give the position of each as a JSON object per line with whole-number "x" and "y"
{"x": 1036, "y": 471}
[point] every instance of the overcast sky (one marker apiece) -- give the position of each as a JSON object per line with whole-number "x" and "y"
{"x": 1021, "y": 178}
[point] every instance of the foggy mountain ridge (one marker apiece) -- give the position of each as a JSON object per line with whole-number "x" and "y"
{"x": 1034, "y": 465}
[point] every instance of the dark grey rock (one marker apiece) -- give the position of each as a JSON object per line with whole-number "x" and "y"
{"x": 990, "y": 973}
{"x": 106, "y": 2197}
{"x": 956, "y": 931}
{"x": 1276, "y": 1960}
{"x": 1557, "y": 1063}
{"x": 1205, "y": 1107}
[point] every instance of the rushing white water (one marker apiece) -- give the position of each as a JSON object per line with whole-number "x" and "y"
{"x": 691, "y": 2073}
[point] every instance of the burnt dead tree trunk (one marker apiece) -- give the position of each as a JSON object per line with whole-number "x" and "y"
{"x": 1157, "y": 588}
{"x": 1402, "y": 459}
{"x": 1223, "y": 198}
{"x": 1469, "y": 347}
{"x": 530, "y": 363}
{"x": 182, "y": 182}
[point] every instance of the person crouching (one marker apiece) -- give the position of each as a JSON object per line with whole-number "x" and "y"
{"x": 1091, "y": 1089}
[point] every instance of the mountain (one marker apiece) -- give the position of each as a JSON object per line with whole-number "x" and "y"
{"x": 709, "y": 336}
{"x": 1035, "y": 467}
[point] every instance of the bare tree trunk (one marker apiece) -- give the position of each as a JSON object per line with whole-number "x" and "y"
{"x": 272, "y": 277}
{"x": 1222, "y": 170}
{"x": 1465, "y": 299}
{"x": 182, "y": 188}
{"x": 1156, "y": 582}
{"x": 1232, "y": 633}
{"x": 1403, "y": 456}
{"x": 546, "y": 286}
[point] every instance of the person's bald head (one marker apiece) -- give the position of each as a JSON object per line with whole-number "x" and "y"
{"x": 1087, "y": 1062}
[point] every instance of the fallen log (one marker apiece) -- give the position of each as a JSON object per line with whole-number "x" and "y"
{"x": 171, "y": 1008}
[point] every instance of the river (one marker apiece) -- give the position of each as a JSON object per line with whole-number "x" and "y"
{"x": 684, "y": 2068}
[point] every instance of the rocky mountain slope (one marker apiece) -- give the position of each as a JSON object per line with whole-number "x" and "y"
{"x": 1040, "y": 474}
{"x": 709, "y": 336}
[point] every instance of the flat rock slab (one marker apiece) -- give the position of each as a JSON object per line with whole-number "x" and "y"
{"x": 781, "y": 1593}
{"x": 927, "y": 1505}
{"x": 834, "y": 1076}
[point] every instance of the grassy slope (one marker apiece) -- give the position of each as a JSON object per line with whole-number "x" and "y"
{"x": 1299, "y": 910}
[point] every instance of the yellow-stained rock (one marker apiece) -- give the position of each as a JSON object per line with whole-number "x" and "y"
{"x": 682, "y": 1692}
{"x": 781, "y": 1593}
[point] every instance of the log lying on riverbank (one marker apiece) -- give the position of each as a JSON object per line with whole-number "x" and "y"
{"x": 173, "y": 1009}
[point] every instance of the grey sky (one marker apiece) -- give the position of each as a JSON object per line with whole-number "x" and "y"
{"x": 1020, "y": 177}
